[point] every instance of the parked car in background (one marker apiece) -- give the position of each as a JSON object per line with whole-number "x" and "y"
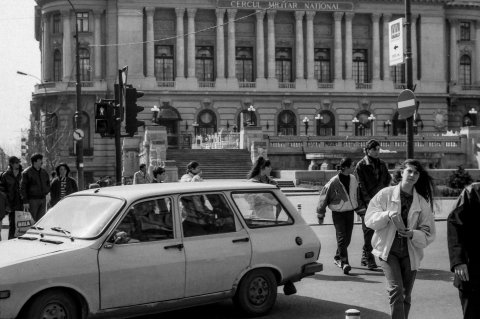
{"x": 132, "y": 250}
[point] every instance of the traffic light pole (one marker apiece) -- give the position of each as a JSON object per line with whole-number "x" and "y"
{"x": 409, "y": 67}
{"x": 118, "y": 121}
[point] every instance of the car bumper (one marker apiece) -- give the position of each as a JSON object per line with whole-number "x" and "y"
{"x": 307, "y": 270}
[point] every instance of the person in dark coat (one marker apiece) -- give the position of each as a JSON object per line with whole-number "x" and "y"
{"x": 372, "y": 175}
{"x": 10, "y": 186}
{"x": 34, "y": 187}
{"x": 462, "y": 230}
{"x": 62, "y": 185}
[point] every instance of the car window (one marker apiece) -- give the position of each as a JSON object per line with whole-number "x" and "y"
{"x": 205, "y": 215}
{"x": 261, "y": 209}
{"x": 150, "y": 220}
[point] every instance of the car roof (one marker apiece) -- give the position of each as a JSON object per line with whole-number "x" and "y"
{"x": 133, "y": 192}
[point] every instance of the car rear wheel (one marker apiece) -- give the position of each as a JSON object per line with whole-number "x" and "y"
{"x": 52, "y": 305}
{"x": 257, "y": 292}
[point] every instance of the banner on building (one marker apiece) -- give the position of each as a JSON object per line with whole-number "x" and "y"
{"x": 395, "y": 42}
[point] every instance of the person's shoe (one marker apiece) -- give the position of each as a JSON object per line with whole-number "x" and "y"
{"x": 338, "y": 263}
{"x": 364, "y": 260}
{"x": 371, "y": 264}
{"x": 346, "y": 269}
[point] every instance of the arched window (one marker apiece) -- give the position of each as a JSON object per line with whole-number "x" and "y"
{"x": 244, "y": 61}
{"x": 84, "y": 64}
{"x": 249, "y": 118}
{"x": 364, "y": 126}
{"x": 85, "y": 127}
{"x": 207, "y": 123}
{"x": 322, "y": 65}
{"x": 465, "y": 77}
{"x": 57, "y": 66}
{"x": 326, "y": 124}
{"x": 164, "y": 63}
{"x": 283, "y": 64}
{"x": 360, "y": 66}
{"x": 287, "y": 123}
{"x": 204, "y": 64}
{"x": 399, "y": 125}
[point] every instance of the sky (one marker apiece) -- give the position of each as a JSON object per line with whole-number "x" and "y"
{"x": 19, "y": 51}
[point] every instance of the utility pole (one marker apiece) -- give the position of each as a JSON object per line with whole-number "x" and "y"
{"x": 78, "y": 111}
{"x": 409, "y": 69}
{"x": 118, "y": 122}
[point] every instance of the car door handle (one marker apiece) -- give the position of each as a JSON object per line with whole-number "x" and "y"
{"x": 245, "y": 240}
{"x": 178, "y": 246}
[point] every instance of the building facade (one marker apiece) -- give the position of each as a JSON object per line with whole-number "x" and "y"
{"x": 304, "y": 68}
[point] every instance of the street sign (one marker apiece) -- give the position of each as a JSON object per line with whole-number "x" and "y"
{"x": 78, "y": 134}
{"x": 407, "y": 103}
{"x": 395, "y": 42}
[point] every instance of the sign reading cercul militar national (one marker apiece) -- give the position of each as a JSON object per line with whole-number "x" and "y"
{"x": 286, "y": 5}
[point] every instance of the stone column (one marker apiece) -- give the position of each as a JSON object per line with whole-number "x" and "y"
{"x": 191, "y": 43}
{"x": 376, "y": 46}
{"x": 337, "y": 16}
{"x": 150, "y": 11}
{"x": 310, "y": 46}
{"x": 414, "y": 47}
{"x": 477, "y": 51}
{"x": 348, "y": 45}
{"x": 67, "y": 46}
{"x": 271, "y": 44}
{"x": 98, "y": 41}
{"x": 47, "y": 56}
{"x": 260, "y": 46}
{"x": 386, "y": 55}
{"x": 231, "y": 45}
{"x": 453, "y": 51}
{"x": 220, "y": 45}
{"x": 299, "y": 45}
{"x": 180, "y": 54}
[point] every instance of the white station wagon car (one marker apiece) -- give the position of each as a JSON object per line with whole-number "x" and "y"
{"x": 125, "y": 251}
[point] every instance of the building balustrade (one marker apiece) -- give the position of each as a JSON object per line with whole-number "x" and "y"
{"x": 399, "y": 86}
{"x": 84, "y": 84}
{"x": 323, "y": 85}
{"x": 166, "y": 84}
{"x": 206, "y": 84}
{"x": 247, "y": 85}
{"x": 363, "y": 86}
{"x": 286, "y": 85}
{"x": 470, "y": 87}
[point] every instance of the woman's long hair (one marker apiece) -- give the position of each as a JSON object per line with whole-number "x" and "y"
{"x": 259, "y": 164}
{"x": 424, "y": 185}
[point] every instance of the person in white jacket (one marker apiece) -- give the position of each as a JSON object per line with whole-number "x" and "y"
{"x": 403, "y": 221}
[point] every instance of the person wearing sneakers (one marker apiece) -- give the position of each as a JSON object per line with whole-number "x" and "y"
{"x": 372, "y": 174}
{"x": 340, "y": 195}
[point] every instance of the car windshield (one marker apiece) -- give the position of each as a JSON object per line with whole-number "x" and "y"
{"x": 81, "y": 216}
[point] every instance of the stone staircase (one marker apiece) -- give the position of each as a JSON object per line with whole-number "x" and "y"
{"x": 215, "y": 163}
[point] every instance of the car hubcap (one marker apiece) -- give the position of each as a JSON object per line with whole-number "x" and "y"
{"x": 54, "y": 311}
{"x": 258, "y": 291}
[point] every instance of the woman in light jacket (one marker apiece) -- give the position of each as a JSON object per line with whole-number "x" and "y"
{"x": 340, "y": 195}
{"x": 399, "y": 245}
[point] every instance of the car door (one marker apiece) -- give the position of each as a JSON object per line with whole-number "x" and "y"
{"x": 148, "y": 264}
{"x": 217, "y": 247}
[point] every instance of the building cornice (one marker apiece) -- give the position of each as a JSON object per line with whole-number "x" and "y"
{"x": 463, "y": 4}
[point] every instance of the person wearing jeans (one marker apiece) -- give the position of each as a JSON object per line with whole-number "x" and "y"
{"x": 403, "y": 223}
{"x": 34, "y": 187}
{"x": 340, "y": 195}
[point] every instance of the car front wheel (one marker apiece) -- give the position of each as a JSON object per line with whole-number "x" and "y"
{"x": 52, "y": 304}
{"x": 257, "y": 292}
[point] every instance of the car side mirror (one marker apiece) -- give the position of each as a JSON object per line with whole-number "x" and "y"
{"x": 119, "y": 237}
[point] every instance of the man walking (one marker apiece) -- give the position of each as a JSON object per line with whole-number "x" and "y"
{"x": 372, "y": 174}
{"x": 34, "y": 187}
{"x": 462, "y": 229}
{"x": 10, "y": 185}
{"x": 141, "y": 177}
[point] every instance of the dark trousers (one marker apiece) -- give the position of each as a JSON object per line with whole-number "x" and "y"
{"x": 367, "y": 237}
{"x": 400, "y": 278}
{"x": 38, "y": 208}
{"x": 470, "y": 301}
{"x": 343, "y": 222}
{"x": 11, "y": 226}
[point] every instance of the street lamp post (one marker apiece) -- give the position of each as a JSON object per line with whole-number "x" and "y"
{"x": 387, "y": 124}
{"x": 409, "y": 67}
{"x": 195, "y": 128}
{"x": 319, "y": 119}
{"x": 250, "y": 110}
{"x": 372, "y": 119}
{"x": 305, "y": 122}
{"x": 473, "y": 112}
{"x": 355, "y": 122}
{"x": 78, "y": 110}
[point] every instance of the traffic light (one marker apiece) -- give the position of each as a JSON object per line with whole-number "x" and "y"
{"x": 104, "y": 118}
{"x": 118, "y": 98}
{"x": 132, "y": 110}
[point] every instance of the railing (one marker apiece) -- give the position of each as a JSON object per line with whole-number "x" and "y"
{"x": 85, "y": 84}
{"x": 470, "y": 87}
{"x": 206, "y": 84}
{"x": 166, "y": 84}
{"x": 429, "y": 144}
{"x": 399, "y": 86}
{"x": 286, "y": 85}
{"x": 322, "y": 85}
{"x": 366, "y": 86}
{"x": 227, "y": 140}
{"x": 247, "y": 85}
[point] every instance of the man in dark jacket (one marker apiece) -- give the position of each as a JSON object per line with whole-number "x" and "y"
{"x": 62, "y": 185}
{"x": 462, "y": 230}
{"x": 34, "y": 187}
{"x": 372, "y": 174}
{"x": 10, "y": 185}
